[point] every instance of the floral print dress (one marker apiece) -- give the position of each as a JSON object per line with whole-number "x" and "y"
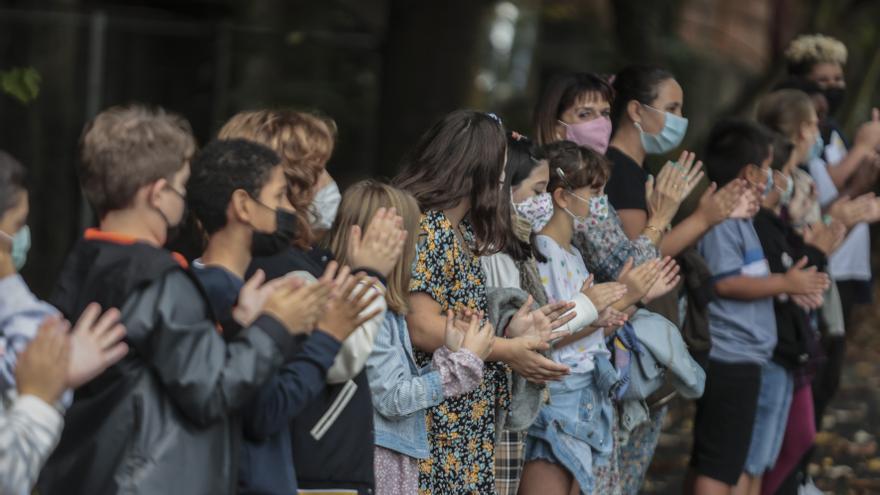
{"x": 461, "y": 430}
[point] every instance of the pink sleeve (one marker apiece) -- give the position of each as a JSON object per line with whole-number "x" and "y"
{"x": 460, "y": 372}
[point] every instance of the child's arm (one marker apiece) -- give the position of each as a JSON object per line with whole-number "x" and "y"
{"x": 204, "y": 376}
{"x": 295, "y": 386}
{"x": 798, "y": 280}
{"x": 461, "y": 371}
{"x": 21, "y": 313}
{"x": 395, "y": 391}
{"x": 356, "y": 348}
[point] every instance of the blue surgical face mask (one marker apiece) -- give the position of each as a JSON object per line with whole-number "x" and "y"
{"x": 785, "y": 196}
{"x": 21, "y": 244}
{"x": 817, "y": 148}
{"x": 769, "y": 185}
{"x": 674, "y": 129}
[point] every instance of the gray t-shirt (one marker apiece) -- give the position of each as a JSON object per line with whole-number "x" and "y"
{"x": 742, "y": 331}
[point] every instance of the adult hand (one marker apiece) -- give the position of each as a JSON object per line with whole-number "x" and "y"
{"x": 381, "y": 245}
{"x": 674, "y": 183}
{"x": 95, "y": 344}
{"x": 42, "y": 367}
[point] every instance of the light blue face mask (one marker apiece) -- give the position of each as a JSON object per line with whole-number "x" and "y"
{"x": 21, "y": 244}
{"x": 769, "y": 185}
{"x": 817, "y": 148}
{"x": 674, "y": 129}
{"x": 785, "y": 196}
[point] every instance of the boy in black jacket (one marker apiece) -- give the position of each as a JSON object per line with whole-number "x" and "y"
{"x": 238, "y": 192}
{"x": 332, "y": 438}
{"x": 158, "y": 421}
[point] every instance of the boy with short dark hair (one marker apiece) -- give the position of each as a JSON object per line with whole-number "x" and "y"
{"x": 238, "y": 192}
{"x": 158, "y": 421}
{"x": 741, "y": 316}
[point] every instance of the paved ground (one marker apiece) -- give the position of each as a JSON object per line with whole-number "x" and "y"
{"x": 848, "y": 461}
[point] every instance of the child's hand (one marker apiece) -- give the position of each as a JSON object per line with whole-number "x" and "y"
{"x": 523, "y": 321}
{"x": 95, "y": 344}
{"x": 747, "y": 204}
{"x": 805, "y": 281}
{"x": 603, "y": 295}
{"x": 610, "y": 318}
{"x": 298, "y": 305}
{"x": 479, "y": 339}
{"x": 559, "y": 314}
{"x": 717, "y": 205}
{"x": 454, "y": 336}
{"x": 810, "y": 302}
{"x": 254, "y": 294}
{"x": 346, "y": 307}
{"x": 667, "y": 281}
{"x": 638, "y": 280}
{"x": 825, "y": 238}
{"x": 43, "y": 366}
{"x": 381, "y": 244}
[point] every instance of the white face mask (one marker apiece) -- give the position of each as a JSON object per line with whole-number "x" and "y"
{"x": 537, "y": 209}
{"x": 325, "y": 205}
{"x": 579, "y": 223}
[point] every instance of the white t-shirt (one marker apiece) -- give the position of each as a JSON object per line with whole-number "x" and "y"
{"x": 852, "y": 261}
{"x": 501, "y": 271}
{"x": 562, "y": 275}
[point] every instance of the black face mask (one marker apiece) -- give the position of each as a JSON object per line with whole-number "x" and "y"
{"x": 172, "y": 232}
{"x": 266, "y": 244}
{"x": 835, "y": 98}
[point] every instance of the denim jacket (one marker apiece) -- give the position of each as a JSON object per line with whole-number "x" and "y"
{"x": 401, "y": 391}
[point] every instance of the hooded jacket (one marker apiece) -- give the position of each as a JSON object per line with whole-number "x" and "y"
{"x": 159, "y": 421}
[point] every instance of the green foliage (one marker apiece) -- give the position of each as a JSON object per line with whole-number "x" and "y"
{"x": 21, "y": 83}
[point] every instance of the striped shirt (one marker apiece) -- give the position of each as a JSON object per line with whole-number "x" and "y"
{"x": 742, "y": 331}
{"x": 29, "y": 431}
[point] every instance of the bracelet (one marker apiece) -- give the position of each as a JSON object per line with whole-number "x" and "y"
{"x": 650, "y": 227}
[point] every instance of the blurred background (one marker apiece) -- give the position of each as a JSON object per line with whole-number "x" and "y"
{"x": 383, "y": 69}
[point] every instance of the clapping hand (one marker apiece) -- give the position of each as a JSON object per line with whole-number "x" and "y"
{"x": 381, "y": 245}
{"x": 666, "y": 282}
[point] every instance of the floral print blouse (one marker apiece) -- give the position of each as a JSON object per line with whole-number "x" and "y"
{"x": 461, "y": 430}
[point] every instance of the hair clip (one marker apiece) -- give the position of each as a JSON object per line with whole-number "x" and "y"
{"x": 561, "y": 175}
{"x": 494, "y": 117}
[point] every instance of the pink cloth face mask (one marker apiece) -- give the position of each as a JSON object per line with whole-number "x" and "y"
{"x": 594, "y": 134}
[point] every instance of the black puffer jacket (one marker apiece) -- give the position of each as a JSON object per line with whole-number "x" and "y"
{"x": 159, "y": 421}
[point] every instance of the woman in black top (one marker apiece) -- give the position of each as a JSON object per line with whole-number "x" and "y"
{"x": 647, "y": 119}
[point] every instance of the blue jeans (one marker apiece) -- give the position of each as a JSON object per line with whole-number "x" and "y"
{"x": 575, "y": 430}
